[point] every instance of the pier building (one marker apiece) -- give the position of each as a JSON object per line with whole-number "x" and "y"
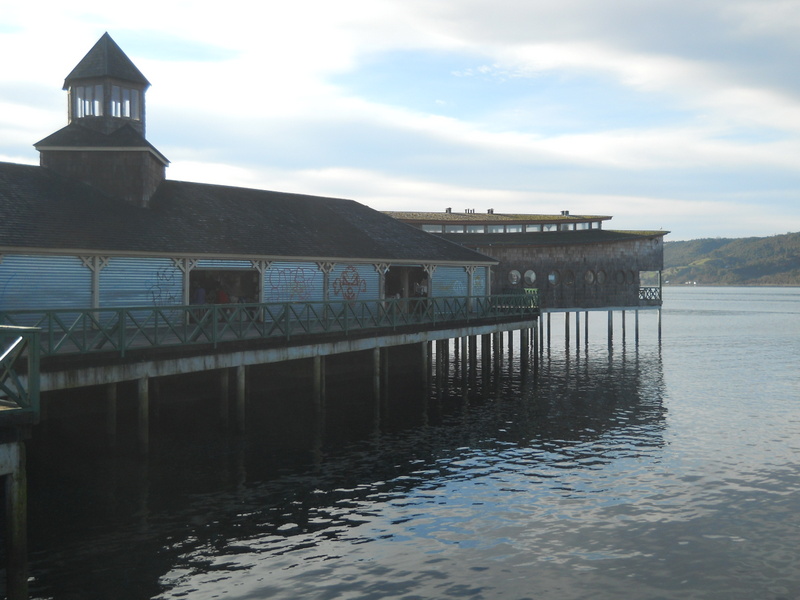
{"x": 574, "y": 261}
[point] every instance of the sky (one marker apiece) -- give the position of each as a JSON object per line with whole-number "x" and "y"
{"x": 681, "y": 115}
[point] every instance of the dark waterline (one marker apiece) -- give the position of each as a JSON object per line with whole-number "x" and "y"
{"x": 649, "y": 471}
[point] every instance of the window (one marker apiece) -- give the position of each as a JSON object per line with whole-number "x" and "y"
{"x": 533, "y": 227}
{"x": 432, "y": 228}
{"x": 567, "y": 227}
{"x": 588, "y": 277}
{"x": 513, "y": 228}
{"x": 530, "y": 277}
{"x": 496, "y": 228}
{"x": 513, "y": 277}
{"x": 549, "y": 227}
{"x": 554, "y": 278}
{"x": 475, "y": 229}
{"x": 583, "y": 225}
{"x": 125, "y": 103}
{"x": 454, "y": 229}
{"x": 88, "y": 101}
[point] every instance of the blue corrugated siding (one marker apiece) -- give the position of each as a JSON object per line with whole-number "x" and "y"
{"x": 449, "y": 281}
{"x": 354, "y": 282}
{"x": 141, "y": 282}
{"x": 479, "y": 282}
{"x": 293, "y": 282}
{"x": 46, "y": 282}
{"x": 223, "y": 264}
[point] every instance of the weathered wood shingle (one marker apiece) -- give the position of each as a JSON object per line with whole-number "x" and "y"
{"x": 41, "y": 210}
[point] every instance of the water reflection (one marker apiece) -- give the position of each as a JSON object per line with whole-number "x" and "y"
{"x": 454, "y": 489}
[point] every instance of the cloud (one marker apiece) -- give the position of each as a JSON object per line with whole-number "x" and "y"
{"x": 667, "y": 113}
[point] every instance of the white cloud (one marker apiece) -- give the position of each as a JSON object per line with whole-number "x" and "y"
{"x": 259, "y": 76}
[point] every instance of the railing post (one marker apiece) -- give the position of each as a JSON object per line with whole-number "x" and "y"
{"x": 122, "y": 326}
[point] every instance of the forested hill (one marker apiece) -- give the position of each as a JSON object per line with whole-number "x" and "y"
{"x": 771, "y": 260}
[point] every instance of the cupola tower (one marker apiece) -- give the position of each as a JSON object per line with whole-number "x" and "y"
{"x": 104, "y": 142}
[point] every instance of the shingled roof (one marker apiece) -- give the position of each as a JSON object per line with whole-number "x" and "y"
{"x": 41, "y": 210}
{"x": 75, "y": 135}
{"x": 106, "y": 59}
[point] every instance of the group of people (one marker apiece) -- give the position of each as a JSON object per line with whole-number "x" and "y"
{"x": 215, "y": 294}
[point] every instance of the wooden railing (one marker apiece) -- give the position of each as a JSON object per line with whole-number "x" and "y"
{"x": 650, "y": 295}
{"x": 120, "y": 330}
{"x": 19, "y": 373}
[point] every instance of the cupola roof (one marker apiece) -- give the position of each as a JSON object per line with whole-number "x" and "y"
{"x": 106, "y": 59}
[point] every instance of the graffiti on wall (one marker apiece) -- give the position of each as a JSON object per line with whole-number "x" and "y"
{"x": 349, "y": 285}
{"x": 294, "y": 284}
{"x": 165, "y": 287}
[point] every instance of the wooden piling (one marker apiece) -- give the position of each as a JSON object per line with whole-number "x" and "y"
{"x": 111, "y": 414}
{"x": 241, "y": 397}
{"x": 16, "y": 492}
{"x": 144, "y": 415}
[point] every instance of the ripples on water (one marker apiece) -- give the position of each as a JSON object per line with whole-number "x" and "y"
{"x": 647, "y": 472}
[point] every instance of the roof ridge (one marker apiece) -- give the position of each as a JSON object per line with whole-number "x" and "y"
{"x": 106, "y": 59}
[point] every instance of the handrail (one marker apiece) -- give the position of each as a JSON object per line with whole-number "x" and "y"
{"x": 19, "y": 371}
{"x": 120, "y": 330}
{"x": 650, "y": 293}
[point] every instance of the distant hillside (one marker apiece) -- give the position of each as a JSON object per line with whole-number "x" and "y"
{"x": 742, "y": 261}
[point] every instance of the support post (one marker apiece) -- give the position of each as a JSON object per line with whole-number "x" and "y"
{"x": 659, "y": 325}
{"x": 224, "y": 396}
{"x": 16, "y": 492}
{"x": 241, "y": 397}
{"x": 317, "y": 377}
{"x": 111, "y": 414}
{"x": 376, "y": 384}
{"x": 577, "y": 329}
{"x": 566, "y": 328}
{"x": 623, "y": 328}
{"x": 144, "y": 414}
{"x": 610, "y": 327}
{"x": 586, "y": 328}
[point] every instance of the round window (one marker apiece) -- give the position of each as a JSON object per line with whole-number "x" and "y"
{"x": 620, "y": 277}
{"x": 554, "y": 278}
{"x": 569, "y": 278}
{"x": 530, "y": 277}
{"x": 588, "y": 277}
{"x": 601, "y": 277}
{"x": 514, "y": 277}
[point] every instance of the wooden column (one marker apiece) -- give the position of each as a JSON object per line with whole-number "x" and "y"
{"x": 376, "y": 384}
{"x": 224, "y": 397}
{"x": 16, "y": 492}
{"x": 111, "y": 414}
{"x": 319, "y": 381}
{"x": 586, "y": 328}
{"x": 144, "y": 415}
{"x": 610, "y": 327}
{"x": 241, "y": 397}
{"x": 623, "y": 327}
{"x": 566, "y": 328}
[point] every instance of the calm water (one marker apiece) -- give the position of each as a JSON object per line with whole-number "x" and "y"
{"x": 651, "y": 471}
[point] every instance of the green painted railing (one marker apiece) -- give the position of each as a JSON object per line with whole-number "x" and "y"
{"x": 71, "y": 331}
{"x": 19, "y": 371}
